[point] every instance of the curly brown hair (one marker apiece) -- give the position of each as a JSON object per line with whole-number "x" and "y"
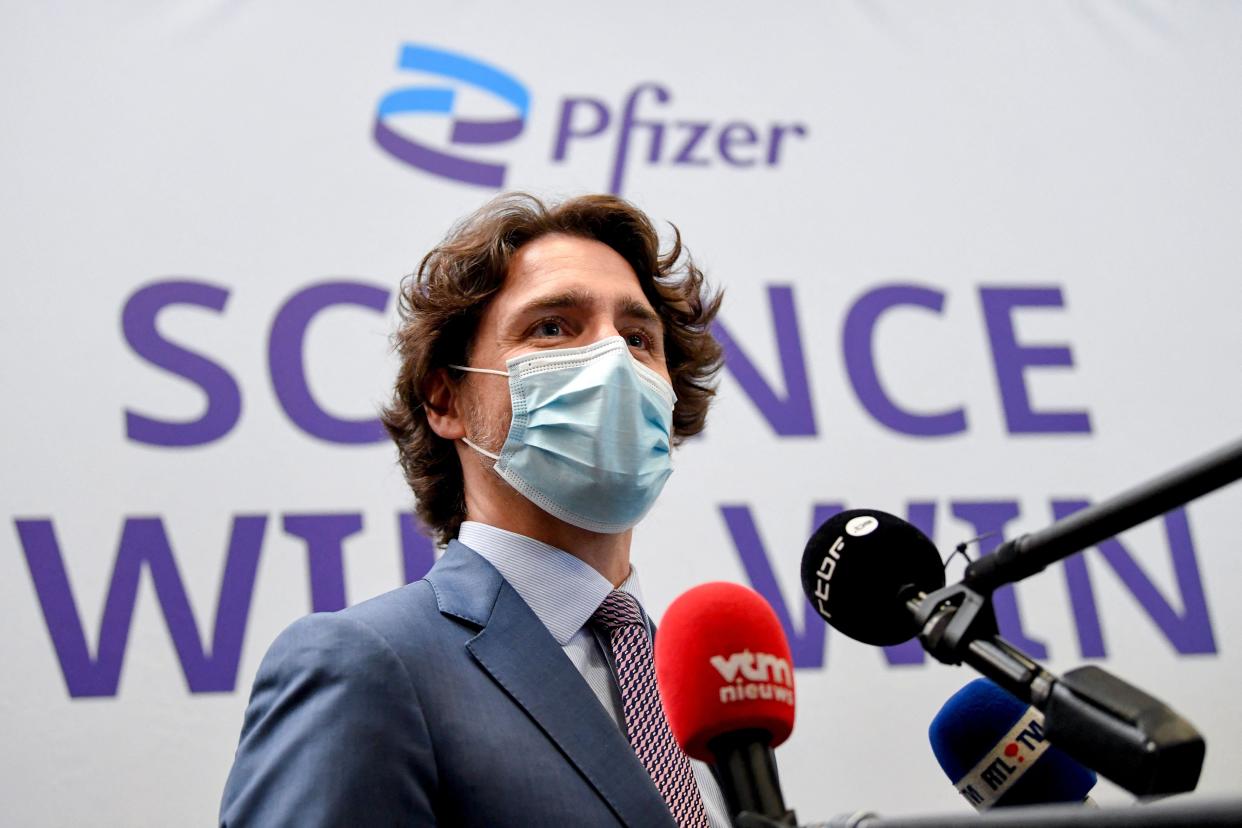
{"x": 442, "y": 302}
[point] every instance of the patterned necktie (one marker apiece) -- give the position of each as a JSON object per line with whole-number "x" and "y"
{"x": 645, "y": 725}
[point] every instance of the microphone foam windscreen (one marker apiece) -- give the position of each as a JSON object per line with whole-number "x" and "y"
{"x": 859, "y": 568}
{"x": 723, "y": 665}
{"x": 991, "y": 745}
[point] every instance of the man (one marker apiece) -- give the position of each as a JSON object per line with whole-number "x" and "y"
{"x": 551, "y": 358}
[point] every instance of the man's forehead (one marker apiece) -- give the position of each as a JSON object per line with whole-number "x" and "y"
{"x": 569, "y": 272}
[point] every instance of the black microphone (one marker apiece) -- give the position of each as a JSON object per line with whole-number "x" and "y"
{"x": 862, "y": 566}
{"x": 879, "y": 580}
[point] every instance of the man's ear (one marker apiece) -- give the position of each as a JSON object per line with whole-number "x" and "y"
{"x": 442, "y": 402}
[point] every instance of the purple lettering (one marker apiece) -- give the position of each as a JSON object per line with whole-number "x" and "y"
{"x": 733, "y": 135}
{"x": 791, "y": 415}
{"x": 697, "y": 130}
{"x": 774, "y": 140}
{"x": 1190, "y": 632}
{"x": 1011, "y": 361}
{"x": 566, "y": 129}
{"x": 144, "y": 542}
{"x": 138, "y": 322}
{"x": 628, "y": 123}
{"x": 287, "y": 364}
{"x": 859, "y": 346}
{"x": 325, "y": 537}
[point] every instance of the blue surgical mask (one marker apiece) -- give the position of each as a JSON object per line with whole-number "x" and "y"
{"x": 590, "y": 438}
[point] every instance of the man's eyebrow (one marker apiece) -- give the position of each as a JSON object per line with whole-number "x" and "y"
{"x": 556, "y": 301}
{"x": 637, "y": 310}
{"x": 582, "y": 299}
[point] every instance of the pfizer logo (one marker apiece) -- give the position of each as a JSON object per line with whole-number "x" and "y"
{"x": 861, "y": 525}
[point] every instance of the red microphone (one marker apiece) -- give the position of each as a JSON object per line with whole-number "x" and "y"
{"x": 726, "y": 677}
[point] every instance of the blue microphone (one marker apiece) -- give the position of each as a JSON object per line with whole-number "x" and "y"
{"x": 992, "y": 747}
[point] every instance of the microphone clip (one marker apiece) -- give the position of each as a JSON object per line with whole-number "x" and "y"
{"x": 1122, "y": 732}
{"x": 952, "y": 617}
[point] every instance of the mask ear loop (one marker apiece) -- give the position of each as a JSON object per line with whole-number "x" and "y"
{"x": 480, "y": 370}
{"x": 467, "y": 440}
{"x": 481, "y": 451}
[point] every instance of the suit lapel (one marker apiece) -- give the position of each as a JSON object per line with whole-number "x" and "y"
{"x": 520, "y": 655}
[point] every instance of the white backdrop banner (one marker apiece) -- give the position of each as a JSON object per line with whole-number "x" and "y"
{"x": 982, "y": 262}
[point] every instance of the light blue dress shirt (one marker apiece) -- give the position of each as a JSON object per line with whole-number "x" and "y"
{"x": 564, "y": 592}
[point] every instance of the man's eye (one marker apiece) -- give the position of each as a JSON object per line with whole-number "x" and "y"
{"x": 636, "y": 340}
{"x": 548, "y": 327}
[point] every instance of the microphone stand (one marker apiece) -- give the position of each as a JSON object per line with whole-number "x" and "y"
{"x": 745, "y": 768}
{"x": 1107, "y": 724}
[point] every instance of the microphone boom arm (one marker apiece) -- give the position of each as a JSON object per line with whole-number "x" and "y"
{"x": 1028, "y": 554}
{"x": 1123, "y": 733}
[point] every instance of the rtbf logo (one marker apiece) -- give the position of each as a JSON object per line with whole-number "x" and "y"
{"x": 751, "y": 676}
{"x": 438, "y": 99}
{"x": 643, "y": 127}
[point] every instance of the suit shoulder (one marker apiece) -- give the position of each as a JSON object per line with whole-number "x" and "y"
{"x": 330, "y": 645}
{"x": 400, "y": 634}
{"x": 400, "y": 614}
{"x": 328, "y": 684}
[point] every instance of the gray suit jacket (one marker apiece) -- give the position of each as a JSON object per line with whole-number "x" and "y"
{"x": 446, "y": 701}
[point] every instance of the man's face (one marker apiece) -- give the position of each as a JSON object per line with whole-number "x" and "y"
{"x": 560, "y": 292}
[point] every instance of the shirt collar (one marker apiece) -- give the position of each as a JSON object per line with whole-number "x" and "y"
{"x": 563, "y": 591}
